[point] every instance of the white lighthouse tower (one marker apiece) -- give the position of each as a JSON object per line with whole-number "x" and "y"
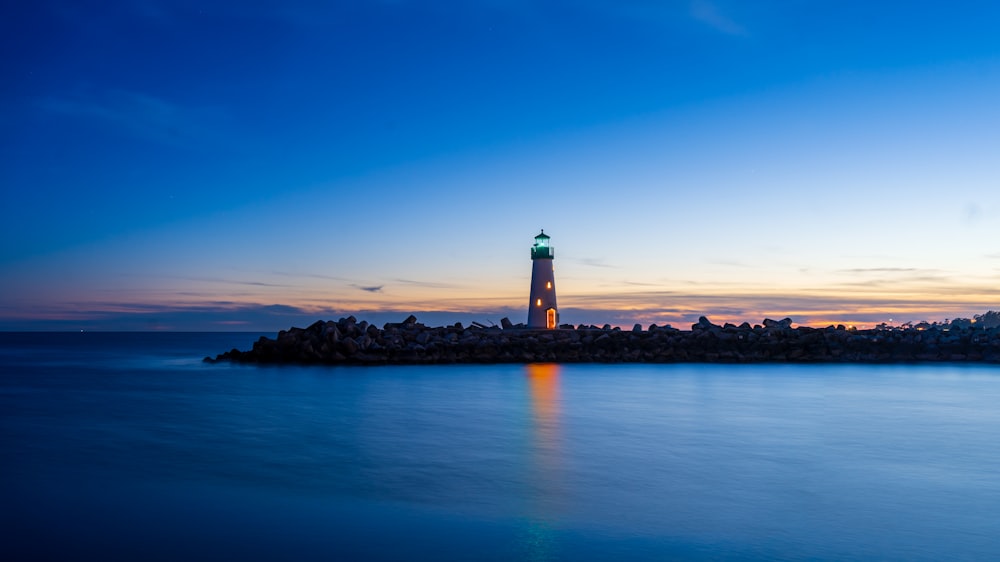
{"x": 542, "y": 309}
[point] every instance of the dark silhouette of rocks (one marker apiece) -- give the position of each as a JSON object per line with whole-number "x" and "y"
{"x": 350, "y": 342}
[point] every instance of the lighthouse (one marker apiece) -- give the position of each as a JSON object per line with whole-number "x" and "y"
{"x": 542, "y": 309}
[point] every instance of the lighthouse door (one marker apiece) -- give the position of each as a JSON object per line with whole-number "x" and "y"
{"x": 550, "y": 318}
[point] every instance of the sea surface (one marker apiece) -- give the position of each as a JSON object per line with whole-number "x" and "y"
{"x": 128, "y": 447}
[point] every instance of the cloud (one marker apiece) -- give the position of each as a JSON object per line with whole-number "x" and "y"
{"x": 370, "y": 288}
{"x": 112, "y": 316}
{"x": 262, "y": 318}
{"x": 427, "y": 284}
{"x": 729, "y": 263}
{"x": 310, "y": 276}
{"x": 640, "y": 284}
{"x": 817, "y": 308}
{"x": 901, "y": 278}
{"x": 299, "y": 13}
{"x": 593, "y": 262}
{"x": 709, "y": 14}
{"x": 135, "y": 114}
{"x": 653, "y": 307}
{"x": 226, "y": 281}
{"x": 879, "y": 270}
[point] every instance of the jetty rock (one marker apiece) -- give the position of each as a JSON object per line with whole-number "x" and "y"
{"x": 349, "y": 342}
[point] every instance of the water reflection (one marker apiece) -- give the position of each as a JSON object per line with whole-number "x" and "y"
{"x": 546, "y": 471}
{"x": 543, "y": 383}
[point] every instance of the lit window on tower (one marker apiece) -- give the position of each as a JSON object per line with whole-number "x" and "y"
{"x": 548, "y": 284}
{"x": 538, "y": 302}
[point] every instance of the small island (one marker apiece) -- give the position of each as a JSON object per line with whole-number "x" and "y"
{"x": 351, "y": 342}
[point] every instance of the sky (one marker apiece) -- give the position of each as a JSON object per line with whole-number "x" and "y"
{"x": 251, "y": 165}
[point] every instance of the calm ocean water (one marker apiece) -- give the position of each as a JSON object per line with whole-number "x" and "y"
{"x": 127, "y": 447}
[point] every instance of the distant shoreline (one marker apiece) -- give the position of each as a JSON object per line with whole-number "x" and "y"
{"x": 352, "y": 342}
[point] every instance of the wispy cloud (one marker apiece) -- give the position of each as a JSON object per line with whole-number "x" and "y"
{"x": 708, "y": 13}
{"x": 427, "y": 284}
{"x": 659, "y": 307}
{"x": 880, "y": 270}
{"x": 593, "y": 262}
{"x": 640, "y": 284}
{"x": 309, "y": 276}
{"x": 728, "y": 263}
{"x": 169, "y": 12}
{"x": 136, "y": 114}
{"x": 226, "y": 281}
{"x": 811, "y": 309}
{"x": 227, "y": 317}
{"x": 903, "y": 278}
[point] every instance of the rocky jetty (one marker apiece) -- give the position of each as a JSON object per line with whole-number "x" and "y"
{"x": 350, "y": 342}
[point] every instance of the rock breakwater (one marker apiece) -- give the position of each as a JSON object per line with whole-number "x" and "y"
{"x": 352, "y": 342}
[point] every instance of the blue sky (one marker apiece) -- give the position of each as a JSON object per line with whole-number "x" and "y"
{"x": 243, "y": 165}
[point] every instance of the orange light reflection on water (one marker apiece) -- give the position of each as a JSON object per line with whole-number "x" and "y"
{"x": 546, "y": 434}
{"x": 546, "y": 471}
{"x": 543, "y": 381}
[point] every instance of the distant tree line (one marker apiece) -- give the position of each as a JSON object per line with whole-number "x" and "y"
{"x": 989, "y": 319}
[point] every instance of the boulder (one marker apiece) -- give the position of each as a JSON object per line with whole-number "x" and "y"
{"x": 703, "y": 324}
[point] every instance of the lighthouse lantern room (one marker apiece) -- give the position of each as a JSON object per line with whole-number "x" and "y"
{"x": 542, "y": 309}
